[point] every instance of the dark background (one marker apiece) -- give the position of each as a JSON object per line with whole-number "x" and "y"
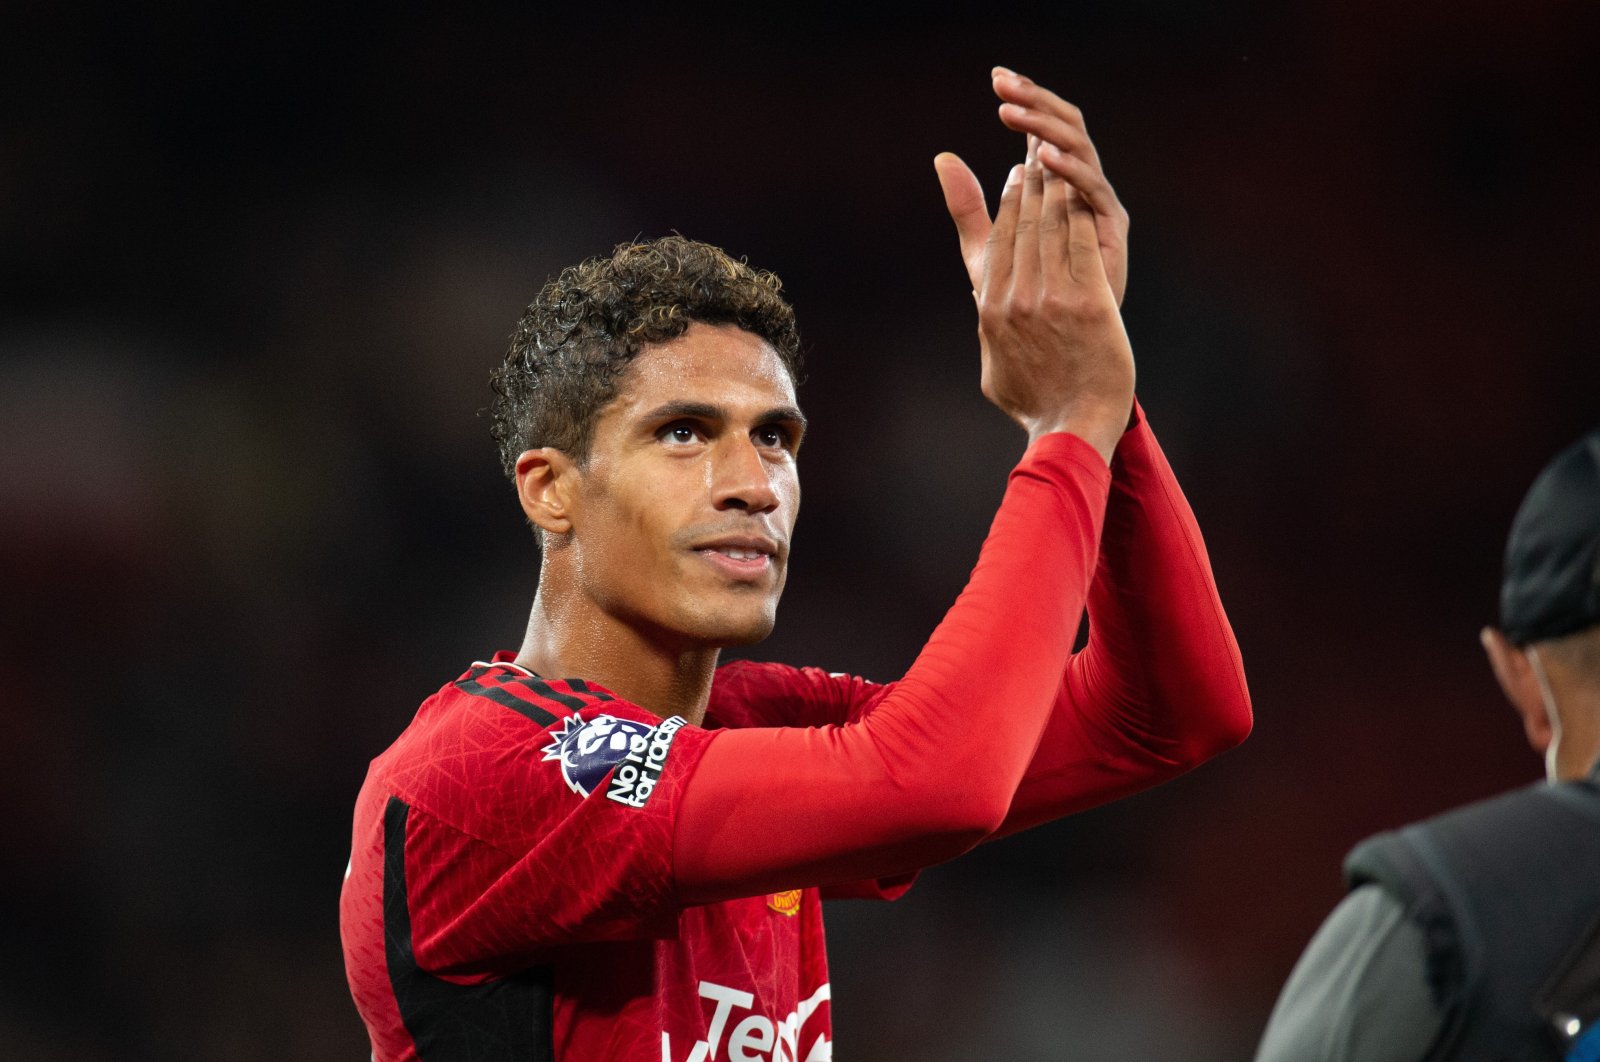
{"x": 256, "y": 264}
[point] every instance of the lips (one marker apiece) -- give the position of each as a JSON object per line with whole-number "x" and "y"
{"x": 741, "y": 556}
{"x": 740, "y": 546}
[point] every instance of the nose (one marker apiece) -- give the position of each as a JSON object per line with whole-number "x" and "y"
{"x": 741, "y": 478}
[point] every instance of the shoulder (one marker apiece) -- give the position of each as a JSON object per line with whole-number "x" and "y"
{"x": 1359, "y": 991}
{"x": 497, "y": 743}
{"x": 1530, "y": 820}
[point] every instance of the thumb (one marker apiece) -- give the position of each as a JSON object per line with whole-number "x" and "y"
{"x": 963, "y": 197}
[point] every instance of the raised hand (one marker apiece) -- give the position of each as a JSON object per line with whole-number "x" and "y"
{"x": 1054, "y": 353}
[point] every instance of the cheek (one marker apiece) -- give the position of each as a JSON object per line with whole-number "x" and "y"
{"x": 789, "y": 491}
{"x": 633, "y": 523}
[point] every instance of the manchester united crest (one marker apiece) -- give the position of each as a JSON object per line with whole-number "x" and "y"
{"x": 785, "y": 903}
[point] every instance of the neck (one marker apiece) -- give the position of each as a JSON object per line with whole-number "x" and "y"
{"x": 1572, "y": 703}
{"x": 660, "y": 678}
{"x": 1580, "y": 722}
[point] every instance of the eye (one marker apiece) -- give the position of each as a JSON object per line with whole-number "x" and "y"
{"x": 681, "y": 432}
{"x": 773, "y": 435}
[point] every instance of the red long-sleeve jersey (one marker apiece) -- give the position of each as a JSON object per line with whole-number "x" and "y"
{"x": 542, "y": 870}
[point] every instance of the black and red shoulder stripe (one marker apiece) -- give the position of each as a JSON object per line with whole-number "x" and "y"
{"x": 545, "y": 701}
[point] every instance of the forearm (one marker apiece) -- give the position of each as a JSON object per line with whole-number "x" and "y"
{"x": 932, "y": 768}
{"x": 1160, "y": 686}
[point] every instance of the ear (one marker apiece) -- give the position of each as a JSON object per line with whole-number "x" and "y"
{"x": 546, "y": 481}
{"x": 1521, "y": 687}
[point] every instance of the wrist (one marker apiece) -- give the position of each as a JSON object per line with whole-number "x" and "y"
{"x": 1100, "y": 424}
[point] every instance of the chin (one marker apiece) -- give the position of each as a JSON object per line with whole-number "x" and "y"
{"x": 727, "y": 627}
{"x": 748, "y": 635}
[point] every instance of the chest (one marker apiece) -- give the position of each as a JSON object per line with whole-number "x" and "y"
{"x": 744, "y": 979}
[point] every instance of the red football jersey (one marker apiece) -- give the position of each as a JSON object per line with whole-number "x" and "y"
{"x": 510, "y": 893}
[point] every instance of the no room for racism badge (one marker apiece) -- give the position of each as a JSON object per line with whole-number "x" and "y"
{"x": 633, "y": 753}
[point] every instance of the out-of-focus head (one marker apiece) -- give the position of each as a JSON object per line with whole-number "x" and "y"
{"x": 1552, "y": 573}
{"x": 588, "y": 324}
{"x": 1546, "y": 650}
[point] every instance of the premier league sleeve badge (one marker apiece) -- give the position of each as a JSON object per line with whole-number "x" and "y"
{"x": 589, "y": 749}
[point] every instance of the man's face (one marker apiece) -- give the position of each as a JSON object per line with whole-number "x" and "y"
{"x": 682, "y": 517}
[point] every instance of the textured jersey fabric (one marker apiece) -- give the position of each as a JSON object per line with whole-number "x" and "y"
{"x": 508, "y": 901}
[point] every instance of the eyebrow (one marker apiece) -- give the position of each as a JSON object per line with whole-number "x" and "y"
{"x": 707, "y": 411}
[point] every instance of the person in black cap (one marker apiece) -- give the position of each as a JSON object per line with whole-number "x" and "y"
{"x": 1474, "y": 935}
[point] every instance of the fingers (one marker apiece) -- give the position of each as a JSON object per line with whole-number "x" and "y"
{"x": 1069, "y": 136}
{"x": 1035, "y": 110}
{"x": 999, "y": 248}
{"x": 1025, "y": 253}
{"x": 1083, "y": 243}
{"x": 1066, "y": 150}
{"x": 1014, "y": 88}
{"x": 1086, "y": 177}
{"x": 963, "y": 197}
{"x": 1053, "y": 231}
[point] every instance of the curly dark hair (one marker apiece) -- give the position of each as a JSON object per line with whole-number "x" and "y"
{"x": 588, "y": 324}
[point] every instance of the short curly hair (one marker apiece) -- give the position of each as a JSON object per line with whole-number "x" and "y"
{"x": 587, "y": 325}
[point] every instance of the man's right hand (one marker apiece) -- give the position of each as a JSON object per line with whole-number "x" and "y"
{"x": 1055, "y": 356}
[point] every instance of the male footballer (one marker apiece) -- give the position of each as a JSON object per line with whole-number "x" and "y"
{"x": 602, "y": 846}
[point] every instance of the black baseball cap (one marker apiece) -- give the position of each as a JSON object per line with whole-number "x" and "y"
{"x": 1552, "y": 578}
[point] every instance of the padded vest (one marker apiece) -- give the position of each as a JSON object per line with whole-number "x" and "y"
{"x": 1507, "y": 894}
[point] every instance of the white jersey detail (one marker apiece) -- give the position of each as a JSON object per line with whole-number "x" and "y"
{"x": 755, "y": 1037}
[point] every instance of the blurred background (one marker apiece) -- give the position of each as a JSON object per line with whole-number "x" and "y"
{"x": 256, "y": 262}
